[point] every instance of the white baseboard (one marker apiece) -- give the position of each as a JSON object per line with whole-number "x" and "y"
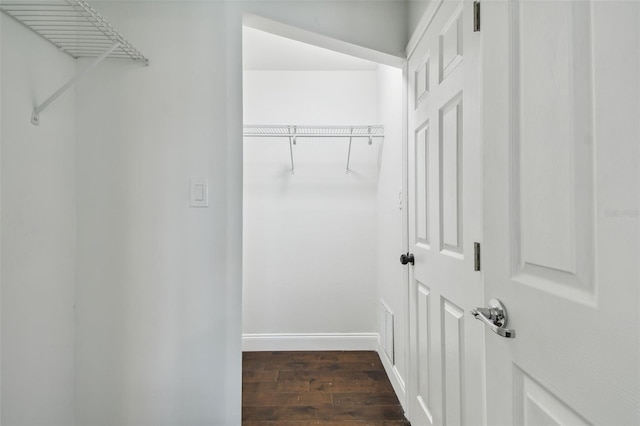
{"x": 310, "y": 342}
{"x": 394, "y": 377}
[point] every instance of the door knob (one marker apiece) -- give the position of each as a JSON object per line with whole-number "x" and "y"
{"x": 495, "y": 317}
{"x": 407, "y": 258}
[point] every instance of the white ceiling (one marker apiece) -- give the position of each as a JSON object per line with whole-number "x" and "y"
{"x": 265, "y": 51}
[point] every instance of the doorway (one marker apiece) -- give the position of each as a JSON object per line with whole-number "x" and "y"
{"x": 323, "y": 217}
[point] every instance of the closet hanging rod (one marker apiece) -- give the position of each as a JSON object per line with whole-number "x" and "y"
{"x": 310, "y": 131}
{"x": 295, "y": 131}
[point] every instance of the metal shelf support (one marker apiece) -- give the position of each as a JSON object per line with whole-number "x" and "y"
{"x": 35, "y": 115}
{"x": 349, "y": 153}
{"x": 292, "y": 141}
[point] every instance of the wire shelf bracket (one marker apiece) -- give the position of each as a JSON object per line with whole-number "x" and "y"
{"x": 293, "y": 132}
{"x": 35, "y": 115}
{"x": 75, "y": 28}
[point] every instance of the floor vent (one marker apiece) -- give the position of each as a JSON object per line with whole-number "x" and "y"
{"x": 386, "y": 330}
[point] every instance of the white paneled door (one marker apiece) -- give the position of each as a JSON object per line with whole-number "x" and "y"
{"x": 446, "y": 346}
{"x": 561, "y": 187}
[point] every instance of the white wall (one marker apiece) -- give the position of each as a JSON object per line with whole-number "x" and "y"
{"x": 309, "y": 238}
{"x": 158, "y": 339}
{"x": 38, "y": 233}
{"x": 392, "y": 283}
{"x": 158, "y": 284}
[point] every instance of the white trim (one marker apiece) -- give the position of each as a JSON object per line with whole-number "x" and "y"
{"x": 394, "y": 377}
{"x": 406, "y": 299}
{"x": 310, "y": 342}
{"x": 394, "y": 59}
{"x": 74, "y": 408}
{"x": 423, "y": 26}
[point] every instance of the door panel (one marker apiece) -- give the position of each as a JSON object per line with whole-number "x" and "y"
{"x": 451, "y": 176}
{"x": 553, "y": 230}
{"x": 444, "y": 220}
{"x": 423, "y": 346}
{"x": 452, "y": 324}
{"x": 536, "y": 406}
{"x": 451, "y": 44}
{"x": 421, "y": 150}
{"x": 561, "y": 228}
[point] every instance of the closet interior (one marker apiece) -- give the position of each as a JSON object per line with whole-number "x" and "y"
{"x": 322, "y": 215}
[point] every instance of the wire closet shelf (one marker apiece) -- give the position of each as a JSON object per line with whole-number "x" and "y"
{"x": 294, "y": 131}
{"x": 73, "y": 26}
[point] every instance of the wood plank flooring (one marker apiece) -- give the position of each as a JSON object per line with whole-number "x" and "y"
{"x": 317, "y": 388}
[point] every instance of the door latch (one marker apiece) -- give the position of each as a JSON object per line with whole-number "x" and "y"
{"x": 495, "y": 317}
{"x": 407, "y": 258}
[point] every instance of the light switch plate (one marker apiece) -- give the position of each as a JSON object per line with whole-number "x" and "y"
{"x": 199, "y": 193}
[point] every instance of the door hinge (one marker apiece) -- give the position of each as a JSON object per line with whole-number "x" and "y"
{"x": 476, "y": 16}
{"x": 476, "y": 256}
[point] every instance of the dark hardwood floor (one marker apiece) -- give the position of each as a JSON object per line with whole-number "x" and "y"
{"x": 317, "y": 388}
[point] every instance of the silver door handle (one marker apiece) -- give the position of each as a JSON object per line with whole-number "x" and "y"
{"x": 495, "y": 317}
